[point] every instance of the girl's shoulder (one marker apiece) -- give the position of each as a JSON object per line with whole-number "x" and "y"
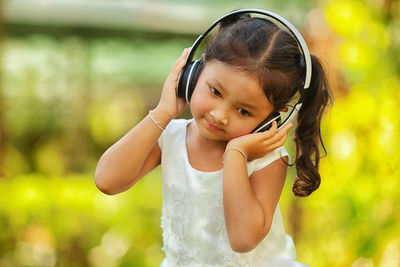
{"x": 176, "y": 125}
{"x": 176, "y": 129}
{"x": 261, "y": 163}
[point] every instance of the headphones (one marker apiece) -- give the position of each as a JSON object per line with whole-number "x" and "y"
{"x": 190, "y": 74}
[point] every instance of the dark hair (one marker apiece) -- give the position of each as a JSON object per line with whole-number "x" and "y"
{"x": 272, "y": 55}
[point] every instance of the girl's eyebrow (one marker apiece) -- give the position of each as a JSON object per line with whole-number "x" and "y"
{"x": 254, "y": 108}
{"x": 249, "y": 106}
{"x": 218, "y": 84}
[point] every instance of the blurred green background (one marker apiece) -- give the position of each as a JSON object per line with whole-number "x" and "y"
{"x": 76, "y": 75}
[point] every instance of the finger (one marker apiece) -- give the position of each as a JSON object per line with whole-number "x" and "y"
{"x": 281, "y": 132}
{"x": 186, "y": 51}
{"x": 282, "y": 140}
{"x": 267, "y": 134}
{"x": 270, "y": 133}
{"x": 179, "y": 64}
{"x": 279, "y": 138}
{"x": 280, "y": 143}
{"x": 178, "y": 68}
{"x": 273, "y": 129}
{"x": 286, "y": 127}
{"x": 175, "y": 71}
{"x": 183, "y": 56}
{"x": 268, "y": 147}
{"x": 272, "y": 141}
{"x": 274, "y": 126}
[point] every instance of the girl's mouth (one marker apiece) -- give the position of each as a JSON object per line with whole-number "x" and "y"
{"x": 212, "y": 127}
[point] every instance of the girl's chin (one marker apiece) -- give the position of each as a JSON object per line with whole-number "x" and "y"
{"x": 210, "y": 132}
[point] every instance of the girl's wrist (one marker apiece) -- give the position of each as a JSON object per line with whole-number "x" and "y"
{"x": 164, "y": 112}
{"x": 160, "y": 117}
{"x": 237, "y": 149}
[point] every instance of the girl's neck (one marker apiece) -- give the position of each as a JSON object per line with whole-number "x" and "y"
{"x": 203, "y": 142}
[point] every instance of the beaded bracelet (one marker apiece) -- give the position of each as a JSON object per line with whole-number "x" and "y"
{"x": 234, "y": 148}
{"x": 154, "y": 120}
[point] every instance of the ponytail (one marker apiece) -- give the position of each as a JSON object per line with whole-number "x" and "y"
{"x": 272, "y": 55}
{"x": 308, "y": 132}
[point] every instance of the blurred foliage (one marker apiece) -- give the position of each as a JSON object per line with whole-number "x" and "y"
{"x": 69, "y": 98}
{"x": 66, "y": 220}
{"x": 352, "y": 219}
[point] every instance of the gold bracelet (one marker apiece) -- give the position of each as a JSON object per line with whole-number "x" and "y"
{"x": 234, "y": 148}
{"x": 154, "y": 120}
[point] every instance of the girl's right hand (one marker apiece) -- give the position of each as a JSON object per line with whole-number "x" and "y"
{"x": 170, "y": 103}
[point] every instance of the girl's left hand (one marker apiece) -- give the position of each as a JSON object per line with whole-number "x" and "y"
{"x": 257, "y": 145}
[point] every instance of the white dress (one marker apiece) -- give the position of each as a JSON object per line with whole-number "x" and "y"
{"x": 193, "y": 223}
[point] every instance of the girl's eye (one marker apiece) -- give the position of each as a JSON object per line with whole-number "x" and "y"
{"x": 215, "y": 91}
{"x": 244, "y": 112}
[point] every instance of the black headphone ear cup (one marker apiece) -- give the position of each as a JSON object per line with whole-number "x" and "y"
{"x": 197, "y": 67}
{"x": 266, "y": 124}
{"x": 182, "y": 80}
{"x": 188, "y": 79}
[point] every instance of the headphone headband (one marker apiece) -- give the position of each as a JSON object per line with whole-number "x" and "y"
{"x": 289, "y": 26}
{"x": 188, "y": 77}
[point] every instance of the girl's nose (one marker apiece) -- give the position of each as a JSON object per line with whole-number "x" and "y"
{"x": 219, "y": 116}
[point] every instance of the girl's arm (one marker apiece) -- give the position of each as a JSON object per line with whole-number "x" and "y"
{"x": 131, "y": 157}
{"x": 137, "y": 153}
{"x": 250, "y": 203}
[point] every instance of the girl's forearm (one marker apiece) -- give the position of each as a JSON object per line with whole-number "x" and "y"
{"x": 122, "y": 162}
{"x": 244, "y": 216}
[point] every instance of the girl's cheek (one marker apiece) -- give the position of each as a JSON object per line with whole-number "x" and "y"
{"x": 240, "y": 133}
{"x": 201, "y": 100}
{"x": 240, "y": 129}
{"x": 199, "y": 103}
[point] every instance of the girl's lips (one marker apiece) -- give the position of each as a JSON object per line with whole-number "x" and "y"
{"x": 212, "y": 127}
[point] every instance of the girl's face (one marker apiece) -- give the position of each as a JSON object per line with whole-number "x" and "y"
{"x": 227, "y": 102}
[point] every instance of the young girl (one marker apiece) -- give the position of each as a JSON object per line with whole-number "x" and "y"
{"x": 221, "y": 183}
